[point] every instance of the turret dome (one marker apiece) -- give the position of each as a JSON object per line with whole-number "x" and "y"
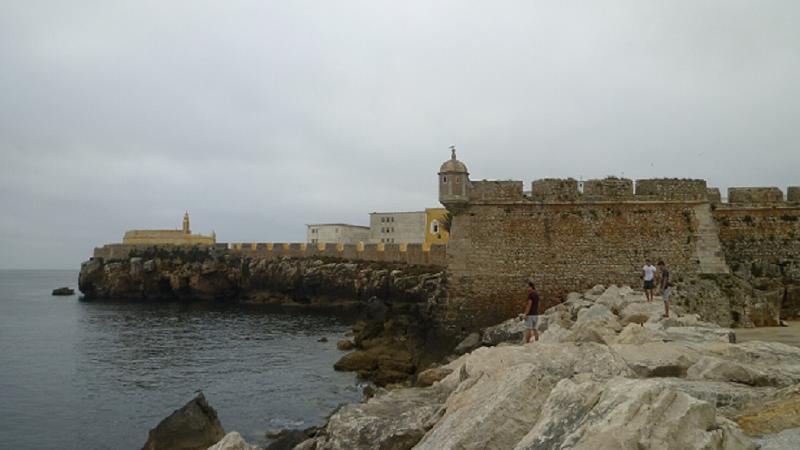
{"x": 453, "y": 165}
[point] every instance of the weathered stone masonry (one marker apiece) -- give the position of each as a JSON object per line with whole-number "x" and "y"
{"x": 568, "y": 240}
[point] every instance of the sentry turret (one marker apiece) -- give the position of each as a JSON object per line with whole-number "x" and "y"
{"x": 453, "y": 182}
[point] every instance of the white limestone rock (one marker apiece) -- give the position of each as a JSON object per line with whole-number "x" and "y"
{"x": 634, "y": 414}
{"x": 637, "y": 334}
{"x": 786, "y": 439}
{"x": 397, "y": 419}
{"x": 494, "y": 412}
{"x": 716, "y": 369}
{"x": 657, "y": 359}
{"x": 232, "y": 441}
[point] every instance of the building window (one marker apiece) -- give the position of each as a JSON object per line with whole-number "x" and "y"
{"x": 434, "y": 226}
{"x": 444, "y": 179}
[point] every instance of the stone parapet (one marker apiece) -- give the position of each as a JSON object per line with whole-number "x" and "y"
{"x": 411, "y": 254}
{"x": 608, "y": 189}
{"x": 755, "y": 195}
{"x": 555, "y": 189}
{"x": 496, "y": 191}
{"x": 793, "y": 194}
{"x": 672, "y": 189}
{"x": 714, "y": 196}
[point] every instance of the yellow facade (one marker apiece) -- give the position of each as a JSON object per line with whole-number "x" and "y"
{"x": 183, "y": 236}
{"x": 434, "y": 231}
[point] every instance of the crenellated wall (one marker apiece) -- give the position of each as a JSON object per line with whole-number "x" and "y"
{"x": 411, "y": 254}
{"x": 566, "y": 239}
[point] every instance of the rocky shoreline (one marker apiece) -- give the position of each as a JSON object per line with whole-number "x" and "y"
{"x": 392, "y": 305}
{"x": 608, "y": 372}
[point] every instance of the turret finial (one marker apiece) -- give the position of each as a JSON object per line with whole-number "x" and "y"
{"x": 452, "y": 152}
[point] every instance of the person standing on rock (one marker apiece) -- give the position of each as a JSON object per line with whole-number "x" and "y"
{"x": 665, "y": 286}
{"x": 531, "y": 311}
{"x": 648, "y": 275}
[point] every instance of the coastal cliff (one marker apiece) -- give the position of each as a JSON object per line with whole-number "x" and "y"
{"x": 196, "y": 273}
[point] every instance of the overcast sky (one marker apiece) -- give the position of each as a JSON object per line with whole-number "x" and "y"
{"x": 261, "y": 116}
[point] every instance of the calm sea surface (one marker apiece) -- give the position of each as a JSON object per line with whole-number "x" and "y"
{"x": 99, "y": 374}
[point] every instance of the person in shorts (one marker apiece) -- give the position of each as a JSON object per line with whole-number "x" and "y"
{"x": 648, "y": 275}
{"x": 531, "y": 312}
{"x": 665, "y": 285}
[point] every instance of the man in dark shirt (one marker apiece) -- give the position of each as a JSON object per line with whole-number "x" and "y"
{"x": 531, "y": 311}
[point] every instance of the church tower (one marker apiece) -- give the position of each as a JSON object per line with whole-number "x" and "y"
{"x": 186, "y": 229}
{"x": 453, "y": 182}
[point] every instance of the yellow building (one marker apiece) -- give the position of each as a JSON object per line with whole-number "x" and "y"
{"x": 183, "y": 236}
{"x": 434, "y": 231}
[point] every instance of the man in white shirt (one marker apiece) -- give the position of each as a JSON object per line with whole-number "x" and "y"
{"x": 648, "y": 275}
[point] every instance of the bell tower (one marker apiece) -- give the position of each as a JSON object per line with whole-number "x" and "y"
{"x": 186, "y": 229}
{"x": 453, "y": 182}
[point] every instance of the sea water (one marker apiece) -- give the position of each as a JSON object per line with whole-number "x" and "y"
{"x": 78, "y": 374}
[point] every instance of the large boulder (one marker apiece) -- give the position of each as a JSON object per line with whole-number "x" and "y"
{"x": 468, "y": 344}
{"x": 491, "y": 412}
{"x": 396, "y": 420}
{"x": 630, "y": 414}
{"x": 194, "y": 426}
{"x": 657, "y": 359}
{"x": 716, "y": 369}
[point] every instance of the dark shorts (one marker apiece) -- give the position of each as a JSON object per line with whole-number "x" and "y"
{"x": 648, "y": 284}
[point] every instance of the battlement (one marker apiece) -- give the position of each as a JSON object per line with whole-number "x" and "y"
{"x": 672, "y": 189}
{"x": 501, "y": 191}
{"x": 411, "y": 254}
{"x": 608, "y": 189}
{"x": 714, "y": 196}
{"x": 555, "y": 190}
{"x": 793, "y": 194}
{"x": 755, "y": 195}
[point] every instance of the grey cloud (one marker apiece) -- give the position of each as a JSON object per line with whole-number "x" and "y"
{"x": 261, "y": 116}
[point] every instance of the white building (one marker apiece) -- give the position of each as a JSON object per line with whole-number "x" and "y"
{"x": 336, "y": 233}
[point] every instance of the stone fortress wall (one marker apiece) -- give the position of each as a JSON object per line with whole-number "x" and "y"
{"x": 411, "y": 254}
{"x": 568, "y": 239}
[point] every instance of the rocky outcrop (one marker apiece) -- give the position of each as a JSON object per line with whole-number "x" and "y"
{"x": 203, "y": 273}
{"x": 63, "y": 291}
{"x": 193, "y": 427}
{"x": 732, "y": 301}
{"x": 646, "y": 384}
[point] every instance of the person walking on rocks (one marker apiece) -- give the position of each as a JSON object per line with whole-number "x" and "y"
{"x": 665, "y": 286}
{"x": 531, "y": 313}
{"x": 648, "y": 275}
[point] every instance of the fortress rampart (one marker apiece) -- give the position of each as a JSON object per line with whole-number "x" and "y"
{"x": 567, "y": 235}
{"x": 411, "y": 254}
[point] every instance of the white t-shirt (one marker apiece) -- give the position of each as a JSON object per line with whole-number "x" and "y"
{"x": 649, "y": 272}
